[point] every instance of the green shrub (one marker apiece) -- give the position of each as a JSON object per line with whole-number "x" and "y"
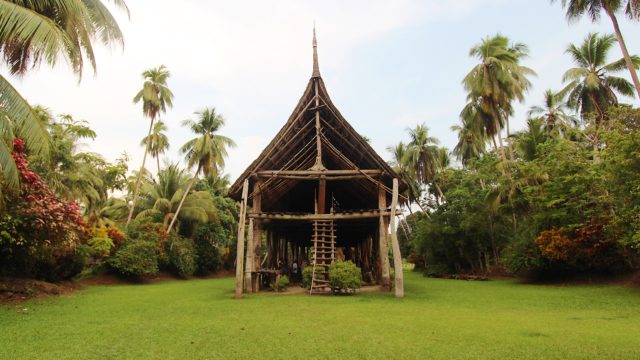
{"x": 281, "y": 283}
{"x": 345, "y": 276}
{"x": 307, "y": 275}
{"x": 62, "y": 265}
{"x": 136, "y": 258}
{"x": 206, "y": 240}
{"x": 100, "y": 246}
{"x": 182, "y": 256}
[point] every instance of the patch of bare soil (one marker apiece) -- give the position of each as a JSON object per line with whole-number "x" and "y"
{"x": 15, "y": 290}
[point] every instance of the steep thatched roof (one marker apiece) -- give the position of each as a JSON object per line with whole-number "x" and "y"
{"x": 294, "y": 148}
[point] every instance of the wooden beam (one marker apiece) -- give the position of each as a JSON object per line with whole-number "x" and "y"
{"x": 397, "y": 257}
{"x": 327, "y": 173}
{"x": 240, "y": 246}
{"x": 383, "y": 243}
{"x": 371, "y": 214}
{"x": 317, "y": 177}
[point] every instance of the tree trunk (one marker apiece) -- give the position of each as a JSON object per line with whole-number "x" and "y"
{"x": 511, "y": 153}
{"x": 139, "y": 181}
{"x": 625, "y": 52}
{"x": 186, "y": 193}
{"x": 504, "y": 155}
{"x": 440, "y": 194}
{"x": 495, "y": 147}
{"x": 158, "y": 161}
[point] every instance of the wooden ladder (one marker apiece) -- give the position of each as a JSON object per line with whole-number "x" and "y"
{"x": 324, "y": 250}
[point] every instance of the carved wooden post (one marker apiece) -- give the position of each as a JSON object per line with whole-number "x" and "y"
{"x": 385, "y": 280}
{"x": 240, "y": 252}
{"x": 257, "y": 237}
{"x": 397, "y": 257}
{"x": 248, "y": 287}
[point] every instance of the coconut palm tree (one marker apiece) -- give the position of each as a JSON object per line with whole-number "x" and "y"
{"x": 594, "y": 8}
{"x": 37, "y": 31}
{"x": 527, "y": 141}
{"x": 159, "y": 141}
{"x": 32, "y": 32}
{"x": 207, "y": 151}
{"x": 155, "y": 97}
{"x": 471, "y": 141}
{"x": 554, "y": 112}
{"x": 164, "y": 198}
{"x": 400, "y": 163}
{"x": 591, "y": 90}
{"x": 497, "y": 81}
{"x": 422, "y": 152}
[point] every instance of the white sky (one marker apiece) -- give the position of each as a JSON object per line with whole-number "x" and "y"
{"x": 387, "y": 64}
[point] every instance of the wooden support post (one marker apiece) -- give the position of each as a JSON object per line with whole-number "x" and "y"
{"x": 257, "y": 237}
{"x": 397, "y": 257}
{"x": 257, "y": 257}
{"x": 322, "y": 195}
{"x": 249, "y": 263}
{"x": 385, "y": 278}
{"x": 240, "y": 252}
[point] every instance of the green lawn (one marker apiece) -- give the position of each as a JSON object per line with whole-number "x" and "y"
{"x": 438, "y": 319}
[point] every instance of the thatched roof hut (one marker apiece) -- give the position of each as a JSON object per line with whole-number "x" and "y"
{"x": 318, "y": 192}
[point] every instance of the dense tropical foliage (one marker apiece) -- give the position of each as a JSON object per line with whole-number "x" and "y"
{"x": 565, "y": 199}
{"x": 560, "y": 196}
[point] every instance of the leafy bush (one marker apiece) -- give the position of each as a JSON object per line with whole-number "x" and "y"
{"x": 345, "y": 276}
{"x": 206, "y": 240}
{"x": 55, "y": 265}
{"x": 136, "y": 258}
{"x": 307, "y": 275}
{"x": 145, "y": 230}
{"x": 38, "y": 229}
{"x": 182, "y": 256}
{"x": 281, "y": 283}
{"x": 100, "y": 246}
{"x": 116, "y": 235}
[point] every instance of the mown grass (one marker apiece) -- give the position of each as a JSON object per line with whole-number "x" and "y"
{"x": 438, "y": 319}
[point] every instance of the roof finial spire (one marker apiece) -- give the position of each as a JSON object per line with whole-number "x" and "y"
{"x": 316, "y": 68}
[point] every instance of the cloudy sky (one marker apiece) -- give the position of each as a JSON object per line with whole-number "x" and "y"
{"x": 388, "y": 65}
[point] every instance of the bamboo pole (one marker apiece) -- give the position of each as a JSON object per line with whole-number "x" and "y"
{"x": 397, "y": 257}
{"x": 240, "y": 250}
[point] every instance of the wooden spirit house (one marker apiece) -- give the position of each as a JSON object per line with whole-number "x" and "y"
{"x": 317, "y": 193}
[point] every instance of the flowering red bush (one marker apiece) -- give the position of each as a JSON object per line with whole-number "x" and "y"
{"x": 38, "y": 228}
{"x": 52, "y": 218}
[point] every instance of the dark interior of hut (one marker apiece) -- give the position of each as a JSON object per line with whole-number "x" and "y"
{"x": 290, "y": 241}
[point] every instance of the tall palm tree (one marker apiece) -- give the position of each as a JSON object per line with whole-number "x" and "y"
{"x": 591, "y": 90}
{"x": 554, "y": 112}
{"x": 400, "y": 162}
{"x": 155, "y": 97}
{"x": 163, "y": 198}
{"x": 32, "y": 32}
{"x": 497, "y": 81}
{"x": 527, "y": 141}
{"x": 471, "y": 140}
{"x": 422, "y": 155}
{"x": 594, "y": 8}
{"x": 159, "y": 141}
{"x": 207, "y": 151}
